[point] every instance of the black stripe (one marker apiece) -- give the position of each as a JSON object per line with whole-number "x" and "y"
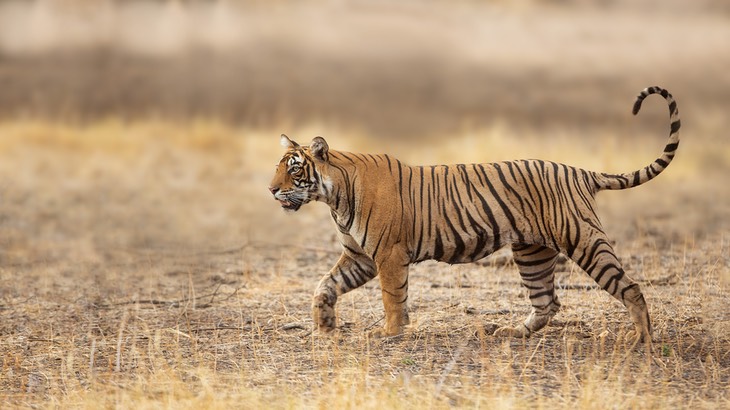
{"x": 540, "y": 219}
{"x": 573, "y": 213}
{"x": 528, "y": 198}
{"x": 624, "y": 290}
{"x": 590, "y": 255}
{"x": 362, "y": 158}
{"x": 505, "y": 209}
{"x": 346, "y": 279}
{"x": 548, "y": 292}
{"x": 352, "y": 250}
{"x": 614, "y": 279}
{"x": 651, "y": 172}
{"x": 458, "y": 207}
{"x": 485, "y": 206}
{"x": 559, "y": 196}
{"x": 358, "y": 267}
{"x": 367, "y": 225}
{"x": 432, "y": 187}
{"x": 538, "y": 249}
{"x": 347, "y": 157}
{"x": 549, "y": 200}
{"x": 460, "y": 246}
{"x": 420, "y": 202}
{"x": 534, "y": 262}
{"x": 503, "y": 179}
{"x": 597, "y": 260}
{"x": 403, "y": 285}
{"x": 675, "y": 126}
{"x": 400, "y": 194}
{"x": 438, "y": 247}
{"x": 602, "y": 272}
{"x": 481, "y": 237}
{"x": 464, "y": 176}
{"x": 538, "y": 276}
{"x": 454, "y": 186}
{"x": 377, "y": 246}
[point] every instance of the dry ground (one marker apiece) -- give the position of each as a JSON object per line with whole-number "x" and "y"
{"x": 145, "y": 265}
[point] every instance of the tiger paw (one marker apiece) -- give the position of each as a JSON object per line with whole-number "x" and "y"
{"x": 506, "y": 331}
{"x": 637, "y": 336}
{"x": 382, "y": 332}
{"x": 323, "y": 312}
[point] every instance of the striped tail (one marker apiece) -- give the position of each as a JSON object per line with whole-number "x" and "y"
{"x": 636, "y": 178}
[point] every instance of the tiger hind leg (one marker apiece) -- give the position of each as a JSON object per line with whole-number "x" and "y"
{"x": 536, "y": 265}
{"x": 600, "y": 262}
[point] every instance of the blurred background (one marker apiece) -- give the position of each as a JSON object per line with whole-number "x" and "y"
{"x": 385, "y": 69}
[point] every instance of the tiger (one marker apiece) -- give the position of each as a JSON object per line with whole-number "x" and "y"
{"x": 390, "y": 215}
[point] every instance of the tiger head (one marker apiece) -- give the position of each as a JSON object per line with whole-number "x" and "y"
{"x": 300, "y": 174}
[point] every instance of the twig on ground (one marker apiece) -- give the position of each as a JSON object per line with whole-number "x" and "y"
{"x": 472, "y": 311}
{"x": 38, "y": 339}
{"x": 213, "y": 329}
{"x": 291, "y": 326}
{"x": 667, "y": 280}
{"x": 370, "y": 326}
{"x": 570, "y": 286}
{"x": 175, "y": 303}
{"x": 288, "y": 326}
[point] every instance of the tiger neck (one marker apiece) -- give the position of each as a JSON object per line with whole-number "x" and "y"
{"x": 344, "y": 175}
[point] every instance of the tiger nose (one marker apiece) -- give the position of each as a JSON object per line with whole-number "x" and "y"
{"x": 273, "y": 190}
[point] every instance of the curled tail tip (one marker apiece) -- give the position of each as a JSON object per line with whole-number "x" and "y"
{"x": 637, "y": 106}
{"x": 645, "y": 93}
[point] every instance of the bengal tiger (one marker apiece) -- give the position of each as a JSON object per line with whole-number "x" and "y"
{"x": 390, "y": 215}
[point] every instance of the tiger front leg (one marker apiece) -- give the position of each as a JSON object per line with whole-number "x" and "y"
{"x": 323, "y": 308}
{"x": 394, "y": 286}
{"x": 350, "y": 272}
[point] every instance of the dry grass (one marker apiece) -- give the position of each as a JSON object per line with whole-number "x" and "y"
{"x": 144, "y": 265}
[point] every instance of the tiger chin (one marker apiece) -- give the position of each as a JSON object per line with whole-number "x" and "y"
{"x": 390, "y": 215}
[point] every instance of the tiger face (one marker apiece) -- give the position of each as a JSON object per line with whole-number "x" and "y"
{"x": 298, "y": 178}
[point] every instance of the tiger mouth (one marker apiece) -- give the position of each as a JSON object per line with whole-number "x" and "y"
{"x": 292, "y": 206}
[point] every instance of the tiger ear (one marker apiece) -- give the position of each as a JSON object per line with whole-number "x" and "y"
{"x": 319, "y": 149}
{"x": 287, "y": 143}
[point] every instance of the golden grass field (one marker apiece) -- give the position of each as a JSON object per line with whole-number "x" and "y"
{"x": 144, "y": 264}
